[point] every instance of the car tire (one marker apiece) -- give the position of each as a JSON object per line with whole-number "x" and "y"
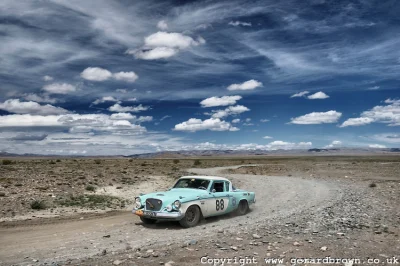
{"x": 192, "y": 217}
{"x": 147, "y": 220}
{"x": 243, "y": 207}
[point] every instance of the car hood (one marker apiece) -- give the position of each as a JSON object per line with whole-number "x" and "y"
{"x": 182, "y": 194}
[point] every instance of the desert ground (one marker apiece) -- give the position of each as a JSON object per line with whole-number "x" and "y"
{"x": 77, "y": 211}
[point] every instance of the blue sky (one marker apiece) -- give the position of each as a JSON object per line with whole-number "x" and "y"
{"x": 125, "y": 77}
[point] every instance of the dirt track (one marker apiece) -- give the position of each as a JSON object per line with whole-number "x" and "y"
{"x": 277, "y": 197}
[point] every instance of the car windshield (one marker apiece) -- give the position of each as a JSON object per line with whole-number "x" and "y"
{"x": 192, "y": 183}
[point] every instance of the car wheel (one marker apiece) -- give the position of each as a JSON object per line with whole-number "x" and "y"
{"x": 147, "y": 220}
{"x": 243, "y": 208}
{"x": 192, "y": 217}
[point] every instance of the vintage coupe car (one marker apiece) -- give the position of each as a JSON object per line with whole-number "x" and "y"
{"x": 191, "y": 198}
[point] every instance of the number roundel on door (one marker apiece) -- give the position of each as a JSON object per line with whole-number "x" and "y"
{"x": 219, "y": 205}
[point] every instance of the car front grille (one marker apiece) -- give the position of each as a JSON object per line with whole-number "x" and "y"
{"x": 153, "y": 204}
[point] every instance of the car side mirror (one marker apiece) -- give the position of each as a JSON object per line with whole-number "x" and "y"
{"x": 213, "y": 191}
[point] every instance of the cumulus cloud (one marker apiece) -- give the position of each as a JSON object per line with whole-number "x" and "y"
{"x": 388, "y": 114}
{"x": 164, "y": 45}
{"x": 126, "y": 76}
{"x": 162, "y": 25}
{"x": 59, "y": 88}
{"x": 317, "y": 118}
{"x": 96, "y": 74}
{"x": 220, "y": 101}
{"x": 235, "y": 121}
{"x": 267, "y": 137}
{"x": 105, "y": 99}
{"x": 247, "y": 85}
{"x": 101, "y": 74}
{"x": 18, "y": 107}
{"x": 47, "y": 78}
{"x": 213, "y": 124}
{"x": 360, "y": 121}
{"x": 334, "y": 144}
{"x": 39, "y": 98}
{"x": 300, "y": 94}
{"x": 130, "y": 117}
{"x": 374, "y": 88}
{"x": 134, "y": 109}
{"x": 231, "y": 110}
{"x": 76, "y": 123}
{"x": 240, "y": 23}
{"x": 264, "y": 120}
{"x": 318, "y": 95}
{"x": 377, "y": 146}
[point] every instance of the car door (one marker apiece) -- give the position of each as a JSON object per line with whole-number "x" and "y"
{"x": 220, "y": 198}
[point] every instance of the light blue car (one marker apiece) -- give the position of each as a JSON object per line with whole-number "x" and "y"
{"x": 191, "y": 198}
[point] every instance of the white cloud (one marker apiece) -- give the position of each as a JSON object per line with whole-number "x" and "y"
{"x": 47, "y": 78}
{"x": 334, "y": 144}
{"x": 105, "y": 99}
{"x": 18, "y": 107}
{"x": 247, "y": 85}
{"x": 154, "y": 54}
{"x": 39, "y": 98}
{"x": 360, "y": 121}
{"x": 134, "y": 109}
{"x": 122, "y": 116}
{"x": 96, "y": 74}
{"x": 264, "y": 120}
{"x": 239, "y": 23}
{"x": 317, "y": 118}
{"x": 169, "y": 39}
{"x": 164, "y": 45}
{"x": 220, "y": 101}
{"x": 377, "y": 146}
{"x": 283, "y": 145}
{"x": 231, "y": 110}
{"x": 27, "y": 120}
{"x": 388, "y": 114}
{"x": 59, "y": 88}
{"x": 126, "y": 76}
{"x": 213, "y": 124}
{"x": 318, "y": 95}
{"x": 300, "y": 94}
{"x": 162, "y": 25}
{"x": 235, "y": 121}
{"x": 267, "y": 137}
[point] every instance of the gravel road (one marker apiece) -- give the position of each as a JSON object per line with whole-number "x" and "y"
{"x": 277, "y": 197}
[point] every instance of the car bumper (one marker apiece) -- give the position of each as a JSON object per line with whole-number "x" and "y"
{"x": 159, "y": 215}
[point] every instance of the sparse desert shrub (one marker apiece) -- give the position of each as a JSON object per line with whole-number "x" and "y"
{"x": 52, "y": 162}
{"x": 176, "y": 161}
{"x": 130, "y": 160}
{"x": 38, "y": 205}
{"x": 7, "y": 162}
{"x": 97, "y": 161}
{"x": 2, "y": 194}
{"x": 90, "y": 188}
{"x": 196, "y": 162}
{"x": 58, "y": 161}
{"x": 372, "y": 185}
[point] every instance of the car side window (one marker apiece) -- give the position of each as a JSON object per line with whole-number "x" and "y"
{"x": 218, "y": 186}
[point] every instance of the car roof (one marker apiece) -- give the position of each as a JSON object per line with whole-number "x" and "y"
{"x": 206, "y": 177}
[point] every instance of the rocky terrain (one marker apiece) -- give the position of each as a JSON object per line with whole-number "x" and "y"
{"x": 338, "y": 207}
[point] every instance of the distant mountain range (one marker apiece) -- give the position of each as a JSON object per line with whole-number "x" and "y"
{"x": 235, "y": 153}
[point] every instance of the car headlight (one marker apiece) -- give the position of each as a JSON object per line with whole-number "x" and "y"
{"x": 177, "y": 204}
{"x": 138, "y": 203}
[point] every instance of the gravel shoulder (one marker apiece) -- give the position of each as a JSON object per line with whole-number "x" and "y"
{"x": 277, "y": 197}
